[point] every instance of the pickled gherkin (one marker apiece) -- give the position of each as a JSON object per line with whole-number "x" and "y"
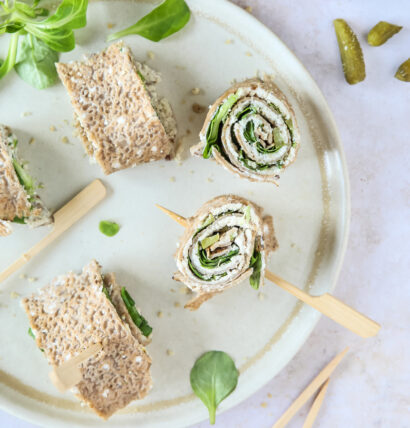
{"x": 403, "y": 72}
{"x": 382, "y": 32}
{"x": 350, "y": 52}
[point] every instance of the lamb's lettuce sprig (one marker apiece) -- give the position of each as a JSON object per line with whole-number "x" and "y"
{"x": 42, "y": 37}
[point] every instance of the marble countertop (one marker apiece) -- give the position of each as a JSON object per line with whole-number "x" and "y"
{"x": 371, "y": 387}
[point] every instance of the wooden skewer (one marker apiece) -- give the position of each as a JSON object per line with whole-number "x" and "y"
{"x": 309, "y": 391}
{"x": 64, "y": 218}
{"x": 317, "y": 404}
{"x": 68, "y": 374}
{"x": 328, "y": 305}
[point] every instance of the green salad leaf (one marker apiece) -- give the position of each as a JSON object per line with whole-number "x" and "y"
{"x": 109, "y": 228}
{"x": 249, "y": 132}
{"x": 200, "y": 276}
{"x": 212, "y": 133}
{"x": 256, "y": 264}
{"x": 138, "y": 319}
{"x": 107, "y": 293}
{"x": 213, "y": 377}
{"x": 35, "y": 62}
{"x": 24, "y": 178}
{"x": 250, "y": 109}
{"x": 216, "y": 261}
{"x": 165, "y": 20}
{"x": 43, "y": 37}
{"x": 19, "y": 220}
{"x": 31, "y": 334}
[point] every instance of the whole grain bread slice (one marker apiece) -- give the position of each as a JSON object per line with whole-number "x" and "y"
{"x": 13, "y": 198}
{"x": 117, "y": 121}
{"x": 72, "y": 313}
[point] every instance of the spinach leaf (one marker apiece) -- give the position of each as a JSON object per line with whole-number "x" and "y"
{"x": 217, "y": 261}
{"x": 165, "y": 20}
{"x": 250, "y": 109}
{"x": 256, "y": 264}
{"x": 19, "y": 220}
{"x": 35, "y": 62}
{"x": 109, "y": 228}
{"x": 254, "y": 166}
{"x": 212, "y": 133}
{"x": 24, "y": 178}
{"x": 200, "y": 276}
{"x": 213, "y": 377}
{"x": 138, "y": 319}
{"x": 249, "y": 132}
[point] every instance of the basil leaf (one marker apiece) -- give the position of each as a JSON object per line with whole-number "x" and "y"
{"x": 249, "y": 132}
{"x": 212, "y": 133}
{"x": 8, "y": 64}
{"x": 138, "y": 319}
{"x": 256, "y": 264}
{"x": 35, "y": 62}
{"x": 165, "y": 20}
{"x": 213, "y": 377}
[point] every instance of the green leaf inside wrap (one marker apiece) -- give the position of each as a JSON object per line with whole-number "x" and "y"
{"x": 138, "y": 319}
{"x": 256, "y": 264}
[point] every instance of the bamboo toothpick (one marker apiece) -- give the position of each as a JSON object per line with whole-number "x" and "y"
{"x": 328, "y": 305}
{"x": 317, "y": 404}
{"x": 310, "y": 390}
{"x": 64, "y": 218}
{"x": 69, "y": 374}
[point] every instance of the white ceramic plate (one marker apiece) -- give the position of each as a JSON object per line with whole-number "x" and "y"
{"x": 262, "y": 332}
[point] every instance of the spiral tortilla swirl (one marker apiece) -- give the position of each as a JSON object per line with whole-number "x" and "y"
{"x": 251, "y": 130}
{"x": 226, "y": 242}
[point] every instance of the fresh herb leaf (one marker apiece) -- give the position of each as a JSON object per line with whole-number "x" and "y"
{"x": 31, "y": 334}
{"x": 8, "y": 64}
{"x": 250, "y": 109}
{"x": 165, "y": 20}
{"x": 249, "y": 132}
{"x": 24, "y": 178}
{"x": 216, "y": 261}
{"x": 138, "y": 319}
{"x": 35, "y": 62}
{"x": 213, "y": 377}
{"x": 56, "y": 32}
{"x": 209, "y": 240}
{"x": 200, "y": 276}
{"x": 109, "y": 228}
{"x": 212, "y": 133}
{"x": 256, "y": 264}
{"x": 19, "y": 220}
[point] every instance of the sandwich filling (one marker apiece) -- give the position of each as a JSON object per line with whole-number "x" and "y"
{"x": 19, "y": 202}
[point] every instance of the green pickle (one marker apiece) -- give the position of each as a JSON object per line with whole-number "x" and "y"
{"x": 382, "y": 32}
{"x": 350, "y": 52}
{"x": 403, "y": 72}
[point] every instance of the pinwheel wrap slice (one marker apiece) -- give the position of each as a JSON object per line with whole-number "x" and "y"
{"x": 251, "y": 130}
{"x": 226, "y": 242}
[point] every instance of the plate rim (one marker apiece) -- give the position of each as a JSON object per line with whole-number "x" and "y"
{"x": 346, "y": 213}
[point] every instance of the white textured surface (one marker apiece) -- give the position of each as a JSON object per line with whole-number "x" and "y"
{"x": 370, "y": 389}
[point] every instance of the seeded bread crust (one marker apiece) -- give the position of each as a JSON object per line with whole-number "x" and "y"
{"x": 120, "y": 128}
{"x": 13, "y": 198}
{"x": 71, "y": 314}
